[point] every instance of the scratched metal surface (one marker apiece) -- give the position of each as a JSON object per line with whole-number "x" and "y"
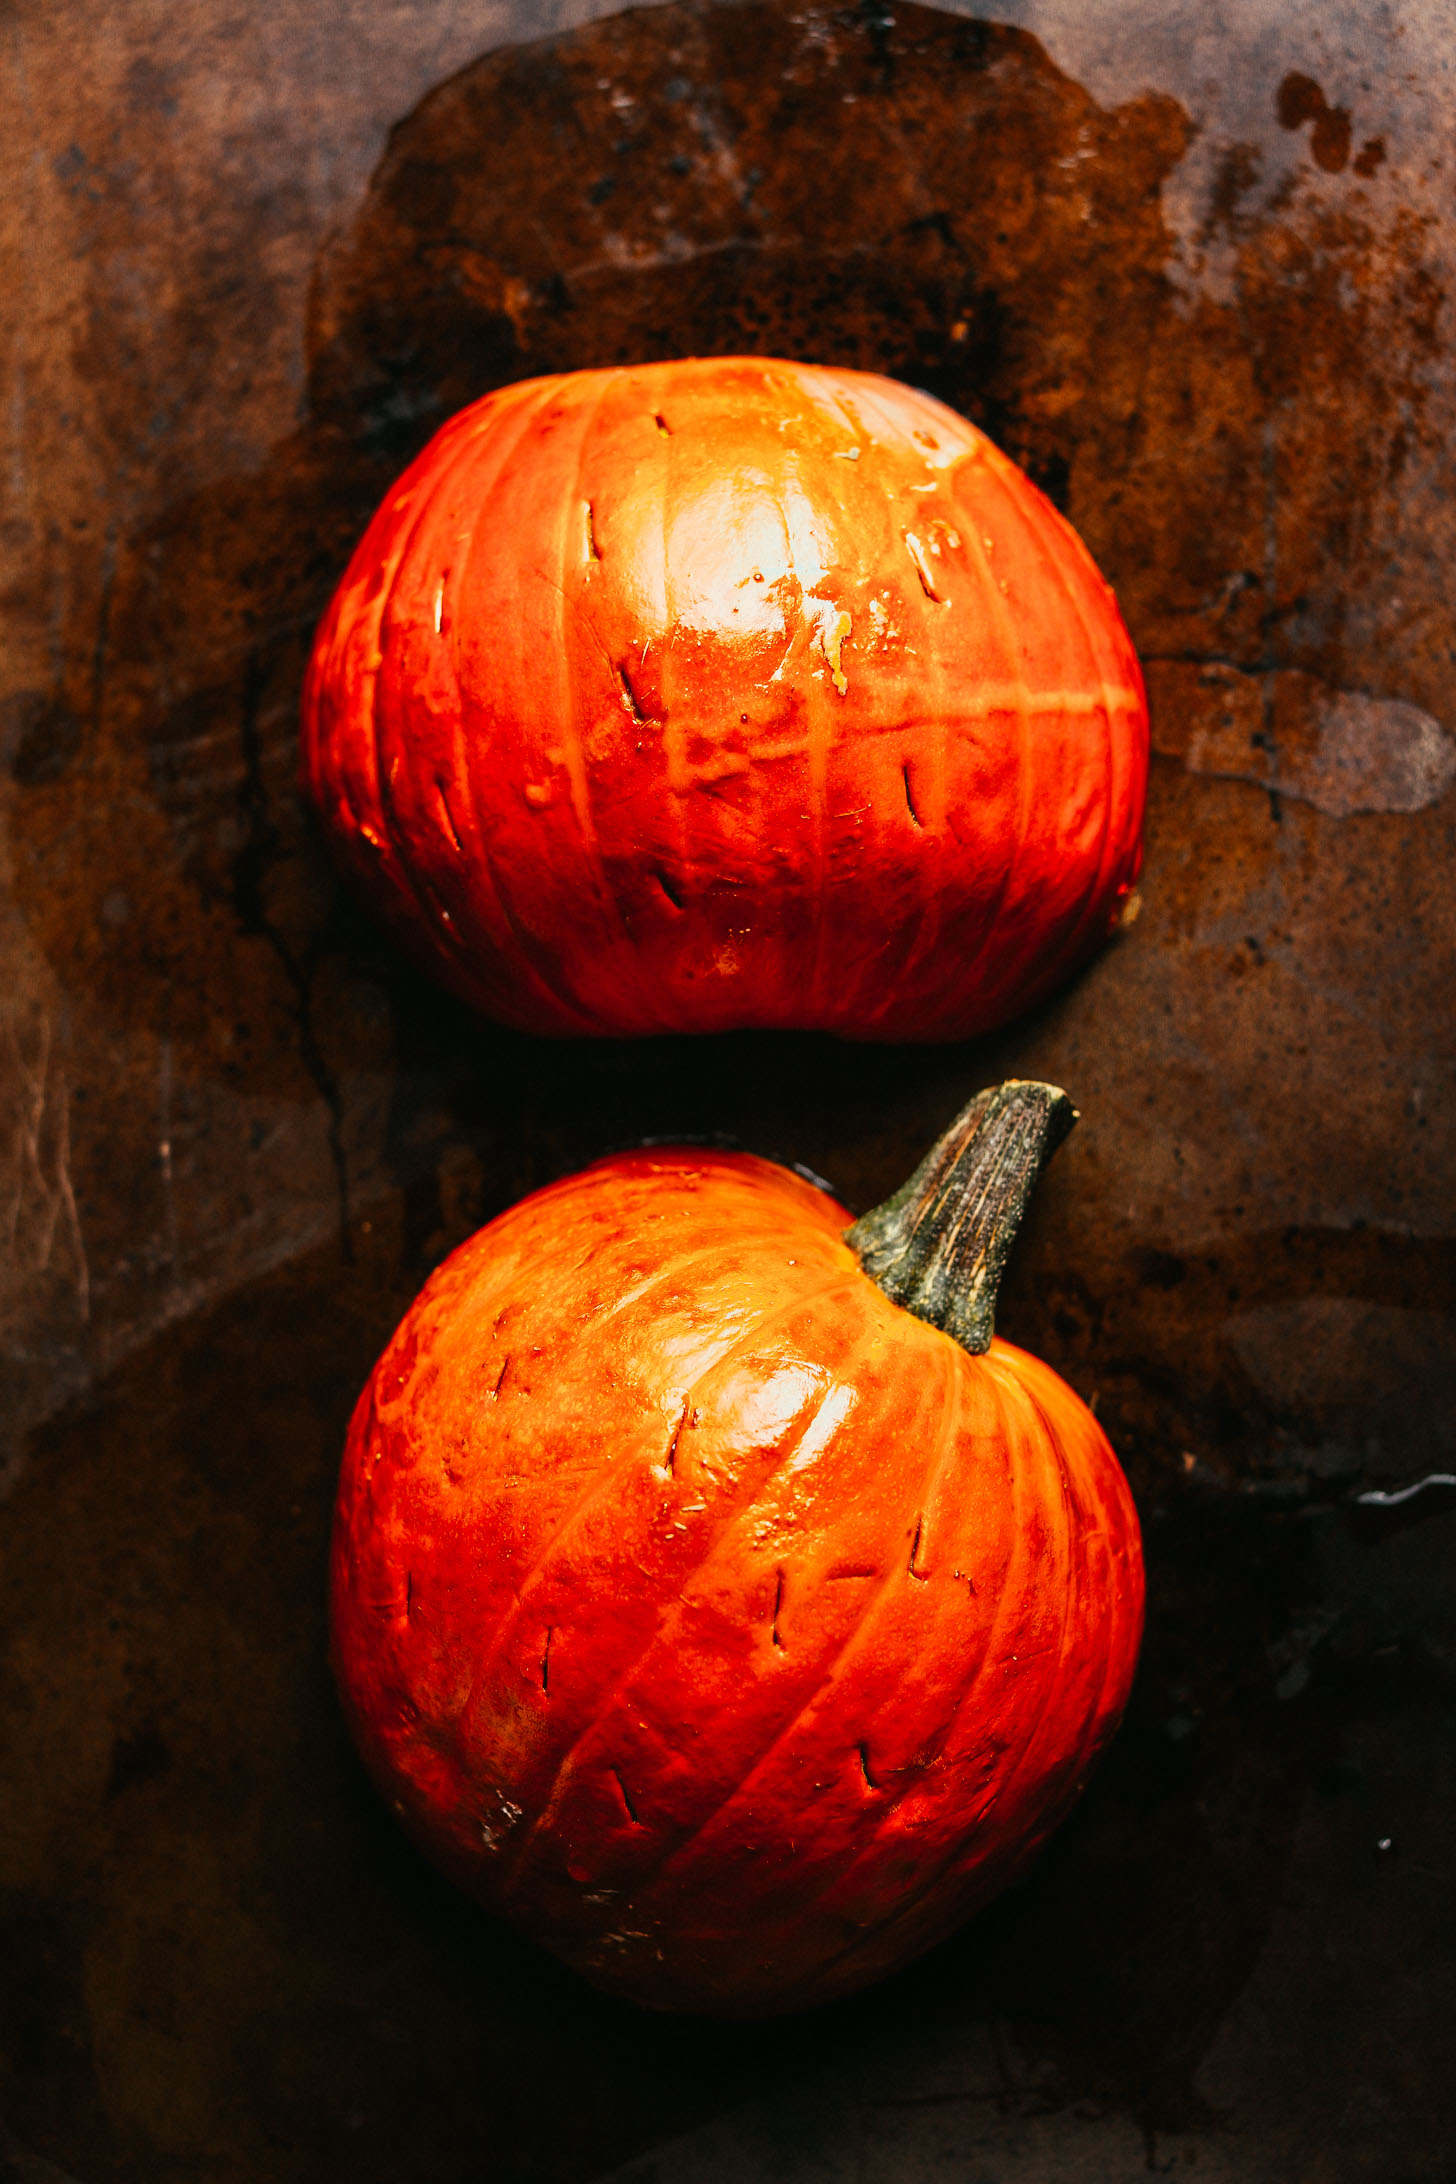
{"x": 1192, "y": 265}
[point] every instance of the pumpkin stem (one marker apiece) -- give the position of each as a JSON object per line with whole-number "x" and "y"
{"x": 939, "y": 1246}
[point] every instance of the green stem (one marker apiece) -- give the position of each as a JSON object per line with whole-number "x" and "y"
{"x": 939, "y": 1246}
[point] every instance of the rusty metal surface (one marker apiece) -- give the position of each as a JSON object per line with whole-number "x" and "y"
{"x": 1192, "y": 268}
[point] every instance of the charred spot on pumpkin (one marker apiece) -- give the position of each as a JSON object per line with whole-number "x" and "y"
{"x": 662, "y": 425}
{"x": 668, "y": 889}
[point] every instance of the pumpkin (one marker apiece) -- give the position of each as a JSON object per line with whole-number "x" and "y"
{"x": 718, "y": 1618}
{"x": 729, "y": 692}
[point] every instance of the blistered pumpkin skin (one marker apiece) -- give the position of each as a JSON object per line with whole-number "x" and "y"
{"x": 729, "y": 692}
{"x": 701, "y": 1610}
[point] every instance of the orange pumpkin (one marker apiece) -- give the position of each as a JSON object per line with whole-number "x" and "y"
{"x": 729, "y": 692}
{"x": 708, "y": 1612}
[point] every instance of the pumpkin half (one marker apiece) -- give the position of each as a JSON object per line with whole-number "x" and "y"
{"x": 729, "y": 692}
{"x": 705, "y": 1610}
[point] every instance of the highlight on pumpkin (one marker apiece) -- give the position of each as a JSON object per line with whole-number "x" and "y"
{"x": 728, "y": 692}
{"x": 730, "y": 1626}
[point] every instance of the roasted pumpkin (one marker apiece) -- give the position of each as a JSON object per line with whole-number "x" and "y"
{"x": 722, "y": 1620}
{"x": 729, "y": 692}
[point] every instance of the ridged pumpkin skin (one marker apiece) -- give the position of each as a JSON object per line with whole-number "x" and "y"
{"x": 729, "y": 692}
{"x": 707, "y": 1614}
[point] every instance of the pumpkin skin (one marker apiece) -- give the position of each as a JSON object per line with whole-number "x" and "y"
{"x": 729, "y": 692}
{"x": 706, "y": 1613}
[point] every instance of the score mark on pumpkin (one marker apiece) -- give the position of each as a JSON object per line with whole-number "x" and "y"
{"x": 864, "y": 1768}
{"x": 669, "y": 1461}
{"x": 631, "y": 1809}
{"x": 909, "y": 796}
{"x": 915, "y": 1550}
{"x": 831, "y": 626}
{"x": 449, "y": 817}
{"x": 629, "y": 698}
{"x": 922, "y": 569}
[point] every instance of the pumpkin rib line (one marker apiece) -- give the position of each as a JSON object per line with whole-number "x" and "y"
{"x": 931, "y": 907}
{"x": 590, "y": 1494}
{"x": 872, "y": 1849}
{"x": 927, "y": 1887}
{"x": 669, "y": 1610}
{"x": 1063, "y": 1503}
{"x": 578, "y": 769}
{"x": 603, "y": 1478}
{"x": 673, "y": 743}
{"x": 738, "y": 1516}
{"x": 1109, "y": 761}
{"x": 1060, "y": 562}
{"x": 1117, "y": 1618}
{"x": 969, "y": 969}
{"x": 378, "y": 615}
{"x": 1072, "y": 1591}
{"x": 557, "y": 996}
{"x": 657, "y": 1281}
{"x": 439, "y": 488}
{"x": 426, "y": 902}
{"x": 817, "y": 754}
{"x": 968, "y": 1692}
{"x": 1013, "y": 695}
{"x": 1077, "y": 1521}
{"x": 852, "y": 1638}
{"x": 843, "y": 1280}
{"x": 930, "y": 922}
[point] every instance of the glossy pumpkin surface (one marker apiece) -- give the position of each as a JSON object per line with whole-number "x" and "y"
{"x": 698, "y": 1608}
{"x": 729, "y": 692}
